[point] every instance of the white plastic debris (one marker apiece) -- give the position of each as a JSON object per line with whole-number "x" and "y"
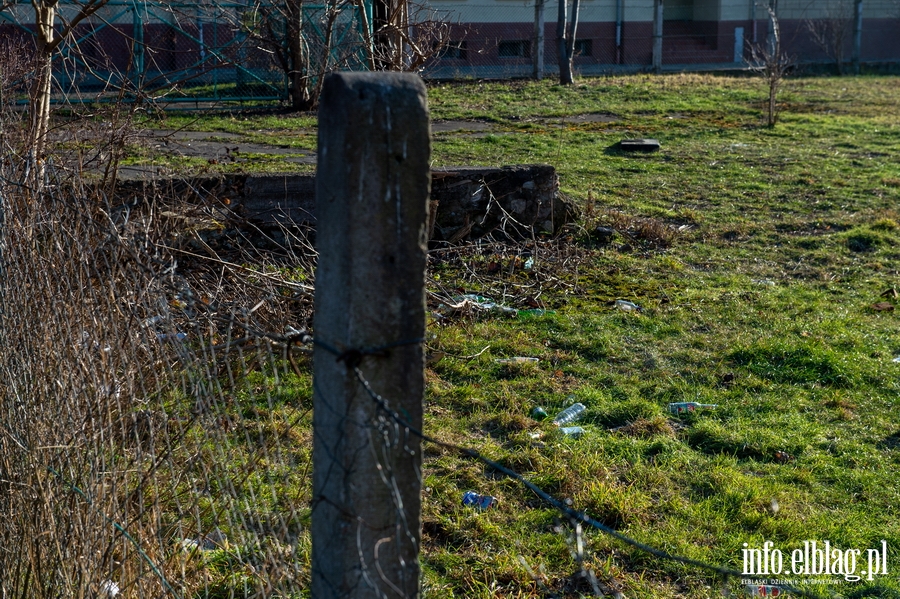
{"x": 108, "y": 590}
{"x": 627, "y": 306}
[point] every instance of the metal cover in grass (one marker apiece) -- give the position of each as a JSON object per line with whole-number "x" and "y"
{"x": 639, "y": 145}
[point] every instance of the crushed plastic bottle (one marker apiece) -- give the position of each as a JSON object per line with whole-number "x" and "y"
{"x": 627, "y": 306}
{"x": 571, "y": 431}
{"x": 682, "y": 407}
{"x": 763, "y": 590}
{"x": 108, "y": 590}
{"x": 570, "y": 414}
{"x": 517, "y": 360}
{"x": 482, "y": 502}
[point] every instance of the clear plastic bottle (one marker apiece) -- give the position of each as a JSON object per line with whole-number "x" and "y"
{"x": 572, "y": 431}
{"x": 570, "y": 414}
{"x": 517, "y": 360}
{"x": 689, "y": 406}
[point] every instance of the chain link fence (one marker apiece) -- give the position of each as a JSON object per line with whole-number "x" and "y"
{"x": 195, "y": 52}
{"x": 237, "y": 51}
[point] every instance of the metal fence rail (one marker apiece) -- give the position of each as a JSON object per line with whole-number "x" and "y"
{"x": 498, "y": 39}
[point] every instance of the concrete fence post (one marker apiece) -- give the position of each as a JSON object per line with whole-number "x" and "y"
{"x": 537, "y": 53}
{"x": 657, "y": 55}
{"x": 372, "y": 189}
{"x": 857, "y": 34}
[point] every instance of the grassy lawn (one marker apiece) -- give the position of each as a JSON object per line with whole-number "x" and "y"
{"x": 757, "y": 256}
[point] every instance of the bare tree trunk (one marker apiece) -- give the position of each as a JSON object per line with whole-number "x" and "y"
{"x": 298, "y": 59}
{"x": 45, "y": 15}
{"x": 367, "y": 34}
{"x": 570, "y": 41}
{"x": 565, "y": 66}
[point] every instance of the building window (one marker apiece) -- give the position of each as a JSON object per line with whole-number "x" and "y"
{"x": 454, "y": 51}
{"x": 514, "y": 49}
{"x": 584, "y": 48}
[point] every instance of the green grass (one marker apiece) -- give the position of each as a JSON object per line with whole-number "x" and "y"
{"x": 760, "y": 304}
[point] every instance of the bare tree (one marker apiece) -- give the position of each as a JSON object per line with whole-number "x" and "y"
{"x": 407, "y": 34}
{"x": 402, "y": 36}
{"x": 833, "y": 33}
{"x": 565, "y": 38}
{"x": 771, "y": 60}
{"x": 47, "y": 41}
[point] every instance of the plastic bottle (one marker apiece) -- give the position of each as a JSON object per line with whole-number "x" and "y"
{"x": 572, "y": 431}
{"x": 570, "y": 414}
{"x": 482, "y": 502}
{"x": 689, "y": 406}
{"x": 627, "y": 306}
{"x": 517, "y": 360}
{"x": 539, "y": 413}
{"x": 764, "y": 590}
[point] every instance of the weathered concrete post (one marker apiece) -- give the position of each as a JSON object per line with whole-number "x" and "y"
{"x": 372, "y": 190}
{"x": 657, "y": 35}
{"x": 857, "y": 34}
{"x": 537, "y": 52}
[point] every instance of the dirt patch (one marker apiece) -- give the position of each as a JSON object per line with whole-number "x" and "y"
{"x": 594, "y": 117}
{"x": 466, "y": 126}
{"x": 219, "y": 146}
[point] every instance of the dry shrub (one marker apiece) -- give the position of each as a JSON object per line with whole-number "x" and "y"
{"x": 645, "y": 428}
{"x": 134, "y": 329}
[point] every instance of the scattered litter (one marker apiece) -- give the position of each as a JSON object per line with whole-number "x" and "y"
{"x": 529, "y": 264}
{"x": 603, "y": 235}
{"x": 897, "y": 359}
{"x": 482, "y": 502}
{"x": 572, "y": 431}
{"x": 773, "y": 505}
{"x": 108, "y": 590}
{"x": 570, "y": 414}
{"x": 682, "y": 407}
{"x": 113, "y": 390}
{"x": 472, "y": 302}
{"x": 783, "y": 456}
{"x": 763, "y": 590}
{"x": 766, "y": 282}
{"x": 539, "y": 413}
{"x": 153, "y": 320}
{"x": 517, "y": 360}
{"x": 882, "y": 306}
{"x": 171, "y": 336}
{"x": 627, "y": 306}
{"x": 214, "y": 540}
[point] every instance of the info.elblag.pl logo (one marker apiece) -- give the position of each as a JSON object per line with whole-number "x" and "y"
{"x": 815, "y": 558}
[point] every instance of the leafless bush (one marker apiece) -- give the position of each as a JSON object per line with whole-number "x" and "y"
{"x": 411, "y": 34}
{"x": 770, "y": 59}
{"x": 142, "y": 430}
{"x": 833, "y": 34}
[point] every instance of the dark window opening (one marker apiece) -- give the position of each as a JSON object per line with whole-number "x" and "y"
{"x": 514, "y": 49}
{"x": 584, "y": 47}
{"x": 454, "y": 51}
